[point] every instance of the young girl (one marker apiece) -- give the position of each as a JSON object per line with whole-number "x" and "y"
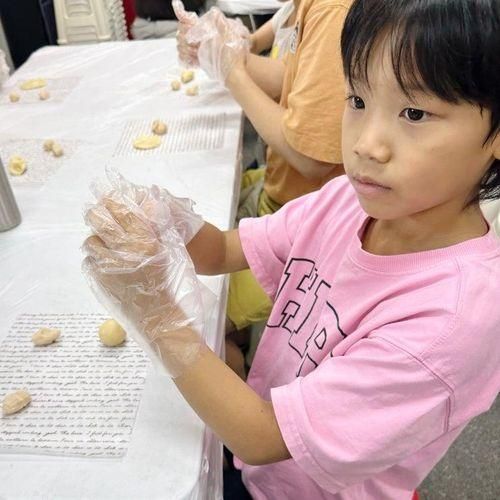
{"x": 383, "y": 340}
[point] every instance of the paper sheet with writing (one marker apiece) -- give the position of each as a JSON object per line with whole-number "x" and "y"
{"x": 84, "y": 395}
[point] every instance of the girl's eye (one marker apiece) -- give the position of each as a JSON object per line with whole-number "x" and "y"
{"x": 414, "y": 115}
{"x": 356, "y": 102}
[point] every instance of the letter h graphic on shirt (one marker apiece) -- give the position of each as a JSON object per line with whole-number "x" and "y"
{"x": 307, "y": 293}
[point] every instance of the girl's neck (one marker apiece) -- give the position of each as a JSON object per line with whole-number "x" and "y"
{"x": 423, "y": 232}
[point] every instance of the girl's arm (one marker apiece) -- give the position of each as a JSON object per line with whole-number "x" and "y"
{"x": 243, "y": 421}
{"x": 267, "y": 116}
{"x": 216, "y": 252}
{"x": 267, "y": 73}
{"x": 263, "y": 38}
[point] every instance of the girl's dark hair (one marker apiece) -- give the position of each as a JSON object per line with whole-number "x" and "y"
{"x": 449, "y": 48}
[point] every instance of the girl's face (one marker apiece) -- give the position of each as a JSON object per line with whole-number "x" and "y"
{"x": 410, "y": 156}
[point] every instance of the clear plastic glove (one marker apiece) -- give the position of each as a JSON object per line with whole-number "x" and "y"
{"x": 139, "y": 269}
{"x": 187, "y": 53}
{"x": 185, "y": 220}
{"x": 221, "y": 43}
{"x": 4, "y": 69}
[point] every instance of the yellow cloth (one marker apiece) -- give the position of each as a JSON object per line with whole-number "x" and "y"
{"x": 313, "y": 95}
{"x": 247, "y": 301}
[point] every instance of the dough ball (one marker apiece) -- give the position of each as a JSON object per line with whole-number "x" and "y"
{"x": 193, "y": 90}
{"x": 14, "y": 97}
{"x": 15, "y": 401}
{"x": 35, "y": 83}
{"x": 17, "y": 165}
{"x": 175, "y": 84}
{"x": 45, "y": 336}
{"x": 187, "y": 75}
{"x": 57, "y": 150}
{"x": 111, "y": 333}
{"x": 159, "y": 127}
{"x": 43, "y": 94}
{"x": 147, "y": 142}
{"x": 48, "y": 145}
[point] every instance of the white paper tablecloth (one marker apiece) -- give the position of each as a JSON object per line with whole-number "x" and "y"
{"x": 109, "y": 86}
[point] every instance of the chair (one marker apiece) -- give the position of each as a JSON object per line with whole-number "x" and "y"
{"x": 87, "y": 21}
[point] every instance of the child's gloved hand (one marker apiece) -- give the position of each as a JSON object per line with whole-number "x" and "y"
{"x": 221, "y": 42}
{"x": 185, "y": 220}
{"x": 139, "y": 269}
{"x": 187, "y": 53}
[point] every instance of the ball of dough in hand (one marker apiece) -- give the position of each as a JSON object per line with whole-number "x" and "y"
{"x": 159, "y": 127}
{"x": 45, "y": 336}
{"x": 192, "y": 91}
{"x": 14, "y": 97}
{"x": 187, "y": 75}
{"x": 48, "y": 144}
{"x": 35, "y": 83}
{"x": 43, "y": 94}
{"x": 17, "y": 165}
{"x": 175, "y": 84}
{"x": 57, "y": 150}
{"x": 111, "y": 333}
{"x": 15, "y": 401}
{"x": 147, "y": 142}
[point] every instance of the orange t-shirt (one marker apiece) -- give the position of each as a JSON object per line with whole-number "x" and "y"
{"x": 313, "y": 95}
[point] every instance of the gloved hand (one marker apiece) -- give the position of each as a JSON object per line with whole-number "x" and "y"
{"x": 187, "y": 53}
{"x": 139, "y": 269}
{"x": 185, "y": 220}
{"x": 221, "y": 43}
{"x": 4, "y": 69}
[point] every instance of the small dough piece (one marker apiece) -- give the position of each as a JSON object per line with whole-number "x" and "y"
{"x": 193, "y": 90}
{"x": 159, "y": 127}
{"x": 17, "y": 165}
{"x": 48, "y": 145}
{"x": 35, "y": 83}
{"x": 175, "y": 84}
{"x": 111, "y": 333}
{"x": 147, "y": 142}
{"x": 187, "y": 75}
{"x": 45, "y": 336}
{"x": 14, "y": 97}
{"x": 43, "y": 94}
{"x": 15, "y": 401}
{"x": 57, "y": 150}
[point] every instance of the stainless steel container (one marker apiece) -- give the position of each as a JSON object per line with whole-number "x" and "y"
{"x": 9, "y": 212}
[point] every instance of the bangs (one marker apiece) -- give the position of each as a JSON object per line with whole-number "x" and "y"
{"x": 436, "y": 47}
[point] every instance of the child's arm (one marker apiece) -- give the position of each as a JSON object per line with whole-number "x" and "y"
{"x": 267, "y": 73}
{"x": 267, "y": 118}
{"x": 216, "y": 252}
{"x": 124, "y": 242}
{"x": 244, "y": 421}
{"x": 263, "y": 38}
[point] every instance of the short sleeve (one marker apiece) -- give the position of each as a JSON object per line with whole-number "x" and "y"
{"x": 359, "y": 414}
{"x": 267, "y": 241}
{"x": 313, "y": 119}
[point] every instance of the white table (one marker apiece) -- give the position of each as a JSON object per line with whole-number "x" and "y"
{"x": 171, "y": 454}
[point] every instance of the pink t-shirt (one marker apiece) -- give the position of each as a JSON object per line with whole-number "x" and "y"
{"x": 374, "y": 364}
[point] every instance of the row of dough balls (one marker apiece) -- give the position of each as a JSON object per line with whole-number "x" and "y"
{"x": 17, "y": 164}
{"x": 110, "y": 332}
{"x": 186, "y": 77}
{"x": 35, "y": 83}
